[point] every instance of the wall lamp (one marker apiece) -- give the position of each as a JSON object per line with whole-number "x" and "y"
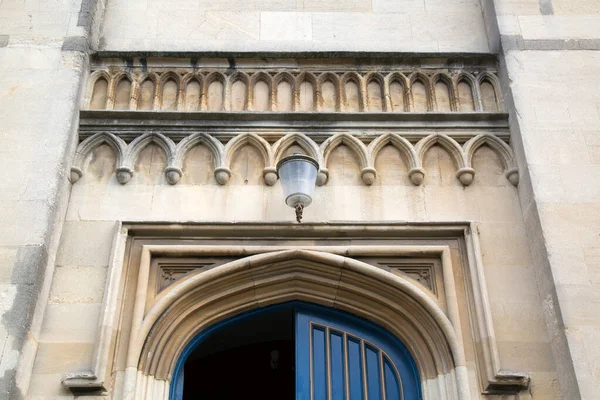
{"x": 298, "y": 176}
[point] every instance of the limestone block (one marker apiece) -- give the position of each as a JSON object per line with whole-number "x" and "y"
{"x": 509, "y": 25}
{"x": 19, "y": 58}
{"x": 8, "y": 256}
{"x": 70, "y": 323}
{"x": 285, "y": 26}
{"x": 174, "y": 5}
{"x": 504, "y": 243}
{"x": 448, "y": 26}
{"x": 517, "y": 7}
{"x": 511, "y": 317}
{"x": 592, "y": 261}
{"x": 571, "y": 298}
{"x": 25, "y": 218}
{"x": 130, "y": 23}
{"x": 334, "y": 27}
{"x": 530, "y": 356}
{"x": 208, "y": 26}
{"x": 582, "y": 183}
{"x": 250, "y": 5}
{"x": 35, "y": 23}
{"x": 77, "y": 285}
{"x": 115, "y": 202}
{"x": 60, "y": 358}
{"x": 498, "y": 204}
{"x": 363, "y": 6}
{"x": 544, "y": 386}
{"x": 560, "y": 26}
{"x": 511, "y": 283}
{"x": 140, "y": 5}
{"x": 86, "y": 243}
{"x": 573, "y": 7}
{"x": 46, "y": 386}
{"x": 573, "y": 268}
{"x": 395, "y": 6}
{"x": 448, "y": 203}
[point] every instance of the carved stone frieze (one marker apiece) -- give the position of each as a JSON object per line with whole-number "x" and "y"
{"x": 327, "y": 88}
{"x": 366, "y": 154}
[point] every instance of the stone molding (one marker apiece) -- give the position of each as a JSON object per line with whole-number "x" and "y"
{"x": 332, "y": 88}
{"x": 366, "y": 155}
{"x": 269, "y": 274}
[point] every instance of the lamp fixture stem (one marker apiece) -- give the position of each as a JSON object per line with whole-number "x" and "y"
{"x": 299, "y": 208}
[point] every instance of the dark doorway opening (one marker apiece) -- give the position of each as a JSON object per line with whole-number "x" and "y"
{"x": 253, "y": 358}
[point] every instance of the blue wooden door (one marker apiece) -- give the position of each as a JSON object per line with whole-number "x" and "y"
{"x": 340, "y": 357}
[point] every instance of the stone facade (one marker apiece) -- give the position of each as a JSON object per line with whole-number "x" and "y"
{"x": 459, "y": 153}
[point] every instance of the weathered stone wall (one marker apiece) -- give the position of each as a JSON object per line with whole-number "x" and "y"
{"x": 549, "y": 49}
{"x": 41, "y": 64}
{"x": 98, "y": 200}
{"x": 540, "y": 242}
{"x": 294, "y": 25}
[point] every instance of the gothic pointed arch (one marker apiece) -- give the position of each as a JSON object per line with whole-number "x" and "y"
{"x": 329, "y": 77}
{"x": 203, "y": 299}
{"x": 125, "y": 170}
{"x": 216, "y": 148}
{"x": 502, "y": 149}
{"x": 464, "y": 172}
{"x": 117, "y": 144}
{"x": 368, "y": 173}
{"x": 267, "y": 80}
{"x": 416, "y": 172}
{"x": 269, "y": 172}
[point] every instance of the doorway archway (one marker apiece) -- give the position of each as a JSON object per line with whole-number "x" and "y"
{"x": 204, "y": 299}
{"x": 296, "y": 351}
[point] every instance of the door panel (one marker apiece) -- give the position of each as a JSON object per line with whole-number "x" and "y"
{"x": 343, "y": 357}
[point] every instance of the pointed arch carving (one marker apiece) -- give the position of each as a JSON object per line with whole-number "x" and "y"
{"x": 492, "y": 80}
{"x": 358, "y": 81}
{"x": 469, "y": 80}
{"x": 215, "y": 147}
{"x": 403, "y": 81}
{"x": 261, "y": 77}
{"x": 94, "y": 78}
{"x": 210, "y": 78}
{"x": 164, "y": 78}
{"x": 380, "y": 80}
{"x": 114, "y": 86}
{"x": 269, "y": 172}
{"x": 151, "y": 77}
{"x": 416, "y": 172}
{"x": 289, "y": 78}
{"x": 117, "y": 144}
{"x": 502, "y": 149}
{"x": 126, "y": 169}
{"x": 300, "y": 79}
{"x": 302, "y": 140}
{"x": 239, "y": 76}
{"x": 334, "y": 79}
{"x": 426, "y": 82}
{"x": 464, "y": 172}
{"x": 186, "y": 80}
{"x": 193, "y": 304}
{"x": 368, "y": 173}
{"x": 447, "y": 81}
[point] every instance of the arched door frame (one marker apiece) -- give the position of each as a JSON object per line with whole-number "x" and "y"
{"x": 295, "y": 305}
{"x": 323, "y": 274}
{"x": 203, "y": 299}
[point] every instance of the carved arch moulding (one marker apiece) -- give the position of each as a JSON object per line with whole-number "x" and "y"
{"x": 161, "y": 291}
{"x": 366, "y": 154}
{"x": 409, "y": 102}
